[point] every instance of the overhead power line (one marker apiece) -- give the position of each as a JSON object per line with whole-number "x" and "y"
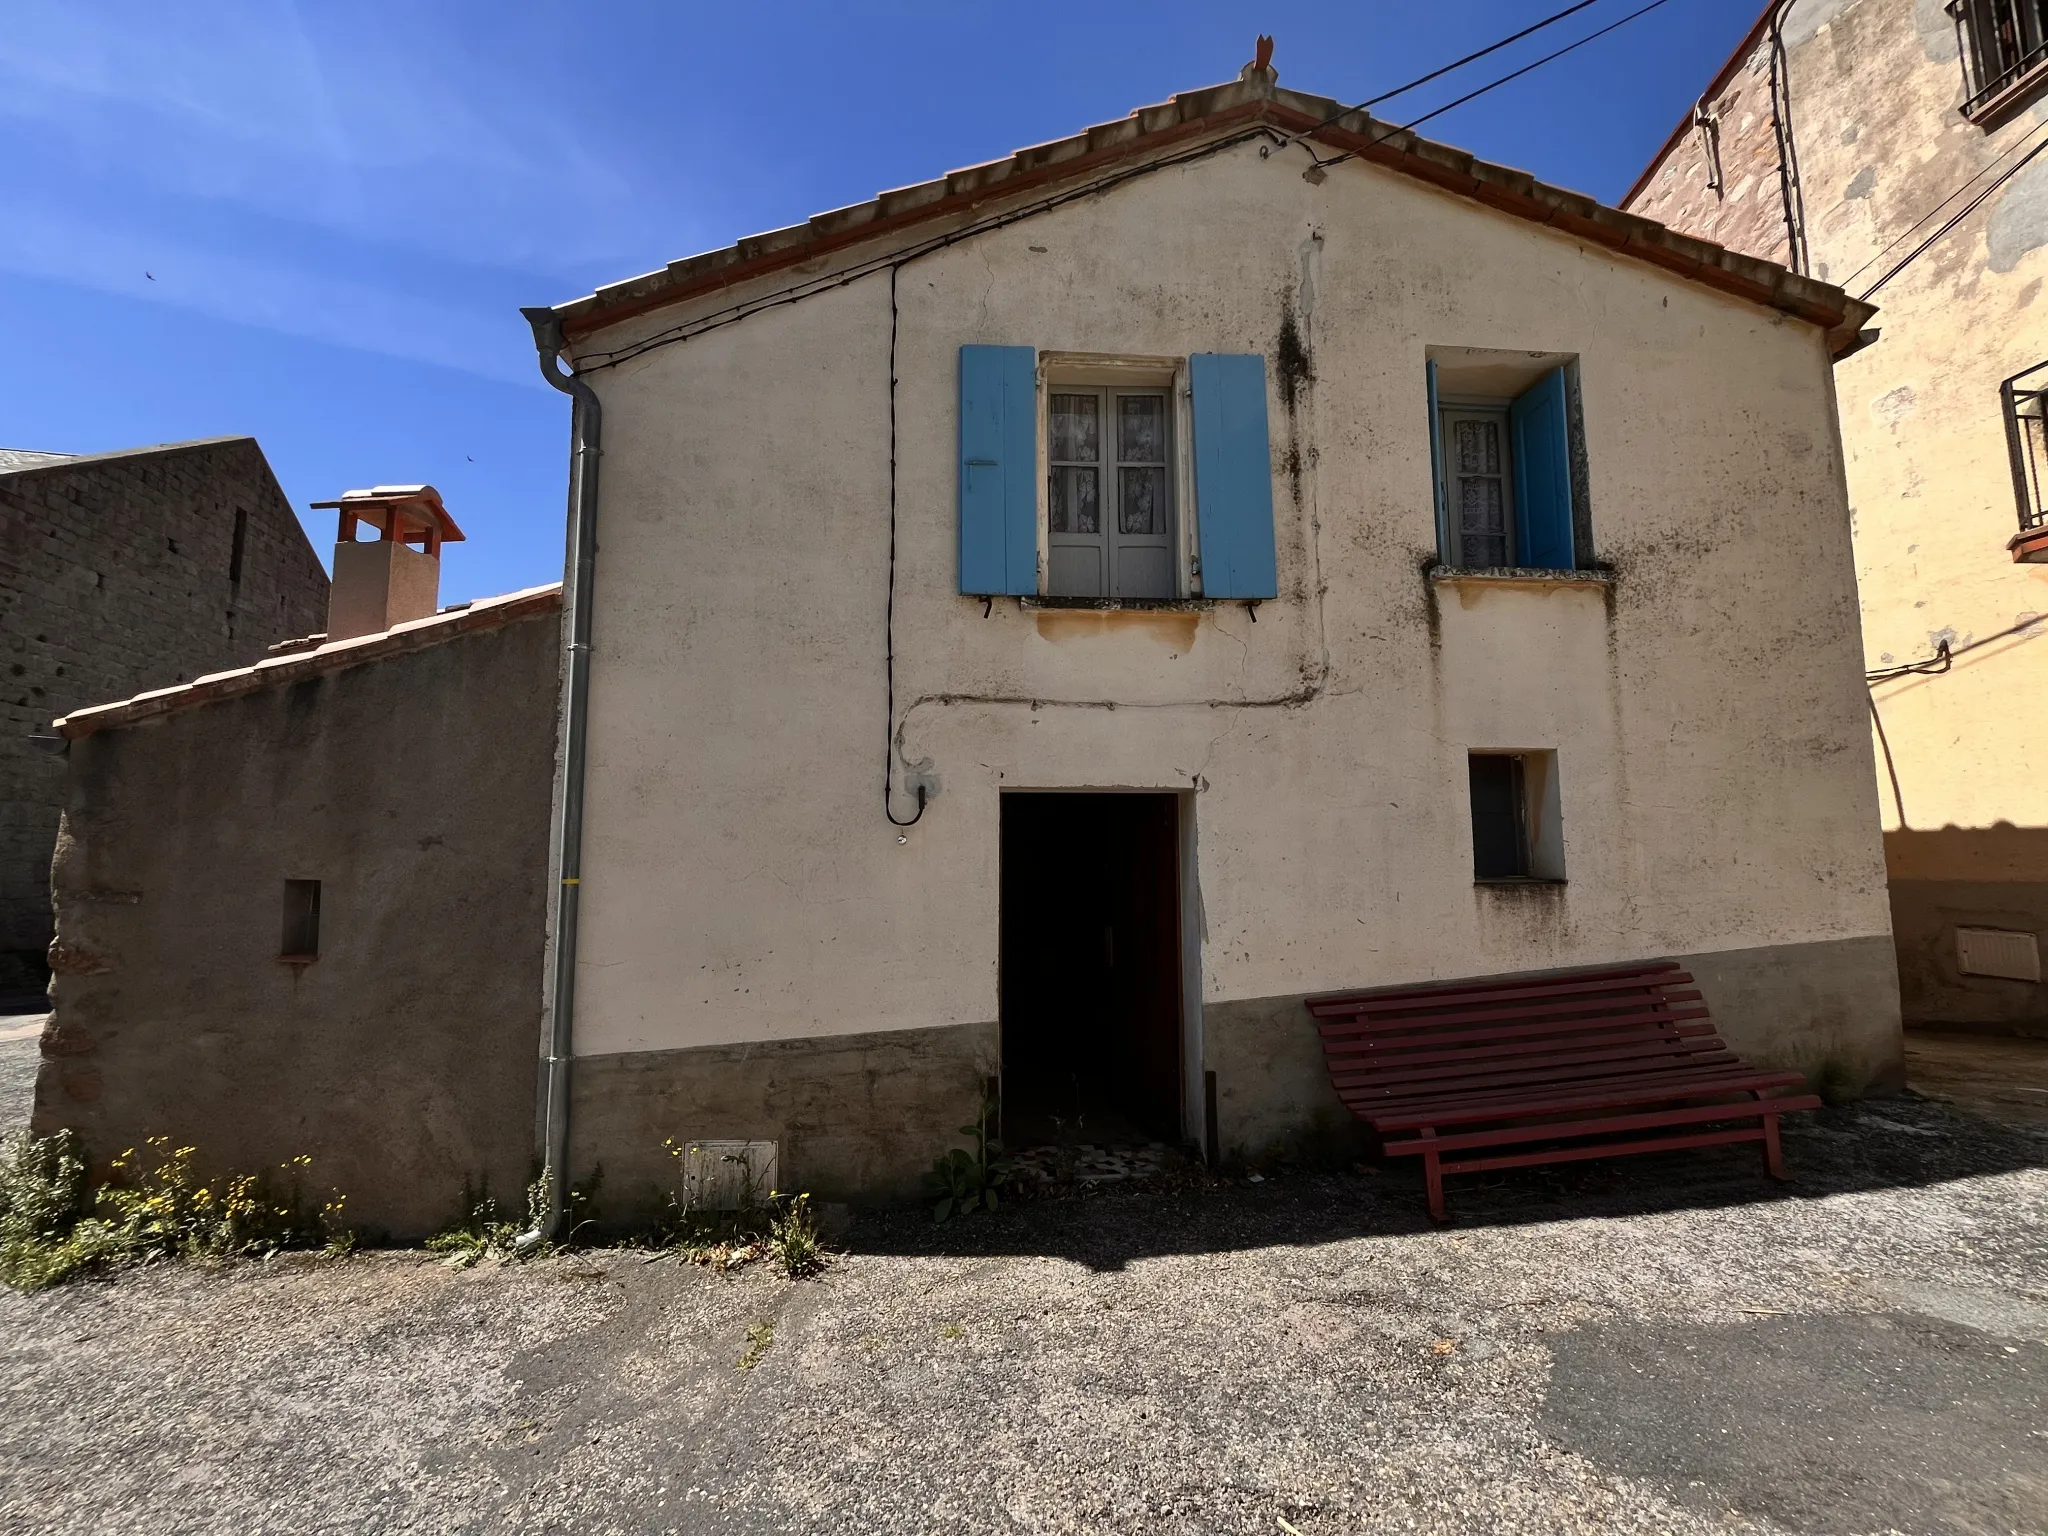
{"x": 1437, "y": 74}
{"x": 1908, "y": 232}
{"x": 1491, "y": 85}
{"x": 1952, "y": 220}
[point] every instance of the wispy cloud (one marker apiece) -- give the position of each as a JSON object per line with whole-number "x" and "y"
{"x": 371, "y": 120}
{"x": 339, "y": 173}
{"x": 320, "y": 306}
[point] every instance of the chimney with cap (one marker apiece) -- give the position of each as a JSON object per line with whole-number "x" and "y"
{"x": 386, "y": 581}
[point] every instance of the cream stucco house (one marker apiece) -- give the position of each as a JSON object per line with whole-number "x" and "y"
{"x": 1898, "y": 150}
{"x": 1043, "y": 623}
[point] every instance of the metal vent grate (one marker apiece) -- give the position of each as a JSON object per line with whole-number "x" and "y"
{"x": 1998, "y": 952}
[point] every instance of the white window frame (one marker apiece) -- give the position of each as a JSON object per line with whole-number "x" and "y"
{"x": 1449, "y": 408}
{"x": 1059, "y": 372}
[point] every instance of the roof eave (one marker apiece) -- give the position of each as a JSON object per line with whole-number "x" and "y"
{"x": 1215, "y": 112}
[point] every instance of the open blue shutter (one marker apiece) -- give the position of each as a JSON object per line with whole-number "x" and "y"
{"x": 998, "y": 471}
{"x": 1233, "y": 475}
{"x": 1543, "y": 476}
{"x": 1445, "y": 550}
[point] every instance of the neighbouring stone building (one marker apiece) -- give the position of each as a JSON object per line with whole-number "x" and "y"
{"x": 1896, "y": 149}
{"x": 118, "y": 572}
{"x": 1279, "y": 554}
{"x": 301, "y": 906}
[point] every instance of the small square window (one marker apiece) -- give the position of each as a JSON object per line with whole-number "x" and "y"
{"x": 301, "y": 940}
{"x": 1517, "y": 831}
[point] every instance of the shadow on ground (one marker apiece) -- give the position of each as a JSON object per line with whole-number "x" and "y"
{"x": 1899, "y": 1143}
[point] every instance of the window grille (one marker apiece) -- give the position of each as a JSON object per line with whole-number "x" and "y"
{"x": 2003, "y": 43}
{"x": 2026, "y": 439}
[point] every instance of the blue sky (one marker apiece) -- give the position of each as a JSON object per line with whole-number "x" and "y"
{"x": 316, "y": 223}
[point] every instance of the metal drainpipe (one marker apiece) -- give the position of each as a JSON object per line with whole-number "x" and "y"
{"x": 586, "y": 427}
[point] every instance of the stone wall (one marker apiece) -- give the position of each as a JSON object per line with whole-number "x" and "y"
{"x": 416, "y": 790}
{"x": 1884, "y": 157}
{"x": 118, "y": 574}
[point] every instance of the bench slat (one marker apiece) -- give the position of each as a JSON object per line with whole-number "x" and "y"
{"x": 1709, "y": 1076}
{"x": 1606, "y": 1149}
{"x": 1491, "y": 1071}
{"x": 1648, "y": 1092}
{"x": 1465, "y": 1046}
{"x": 1406, "y": 999}
{"x": 1567, "y": 1014}
{"x": 1554, "y": 1129}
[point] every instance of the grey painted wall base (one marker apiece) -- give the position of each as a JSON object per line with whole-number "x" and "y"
{"x": 1830, "y": 1010}
{"x": 857, "y": 1117}
{"x": 1925, "y": 916}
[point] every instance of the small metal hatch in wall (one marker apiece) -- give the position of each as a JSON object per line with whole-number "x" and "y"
{"x": 1998, "y": 952}
{"x": 728, "y": 1175}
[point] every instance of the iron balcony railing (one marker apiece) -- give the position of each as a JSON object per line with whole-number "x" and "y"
{"x": 2001, "y": 42}
{"x": 2026, "y": 440}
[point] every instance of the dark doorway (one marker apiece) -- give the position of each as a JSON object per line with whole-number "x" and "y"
{"x": 1091, "y": 968}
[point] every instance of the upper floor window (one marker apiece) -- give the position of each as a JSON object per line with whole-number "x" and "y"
{"x": 1507, "y": 452}
{"x": 2026, "y": 442}
{"x": 2004, "y": 48}
{"x": 1113, "y": 478}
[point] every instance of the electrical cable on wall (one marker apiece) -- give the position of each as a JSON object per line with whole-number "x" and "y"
{"x": 597, "y": 361}
{"x": 889, "y": 618}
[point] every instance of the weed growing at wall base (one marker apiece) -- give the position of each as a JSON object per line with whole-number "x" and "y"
{"x": 53, "y": 1225}
{"x": 963, "y": 1181}
{"x": 775, "y": 1226}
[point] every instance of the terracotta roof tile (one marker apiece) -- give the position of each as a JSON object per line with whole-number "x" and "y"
{"x": 415, "y": 635}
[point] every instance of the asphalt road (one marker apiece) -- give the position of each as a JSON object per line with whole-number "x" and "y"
{"x": 1662, "y": 1345}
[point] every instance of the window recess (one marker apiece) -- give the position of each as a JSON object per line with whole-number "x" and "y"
{"x": 1517, "y": 826}
{"x": 2003, "y": 46}
{"x": 300, "y": 943}
{"x": 2026, "y": 440}
{"x": 1507, "y": 456}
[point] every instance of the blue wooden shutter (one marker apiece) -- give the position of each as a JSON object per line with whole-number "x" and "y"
{"x": 998, "y": 471}
{"x": 1233, "y": 475}
{"x": 1436, "y": 470}
{"x": 1543, "y": 476}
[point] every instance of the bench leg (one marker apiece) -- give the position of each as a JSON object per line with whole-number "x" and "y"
{"x": 1774, "y": 1156}
{"x": 1433, "y": 1176}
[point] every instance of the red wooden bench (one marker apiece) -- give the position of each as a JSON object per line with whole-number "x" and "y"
{"x": 1509, "y": 1073}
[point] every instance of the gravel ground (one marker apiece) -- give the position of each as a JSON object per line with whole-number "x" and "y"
{"x": 1659, "y": 1345}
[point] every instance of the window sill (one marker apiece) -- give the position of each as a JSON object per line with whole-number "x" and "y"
{"x": 1518, "y": 882}
{"x": 2000, "y": 108}
{"x": 1136, "y": 604}
{"x": 296, "y": 959}
{"x": 1517, "y": 576}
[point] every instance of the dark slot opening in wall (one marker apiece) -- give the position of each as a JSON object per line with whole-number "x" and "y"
{"x": 301, "y": 921}
{"x": 1091, "y": 957}
{"x": 241, "y": 539}
{"x": 1500, "y": 838}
